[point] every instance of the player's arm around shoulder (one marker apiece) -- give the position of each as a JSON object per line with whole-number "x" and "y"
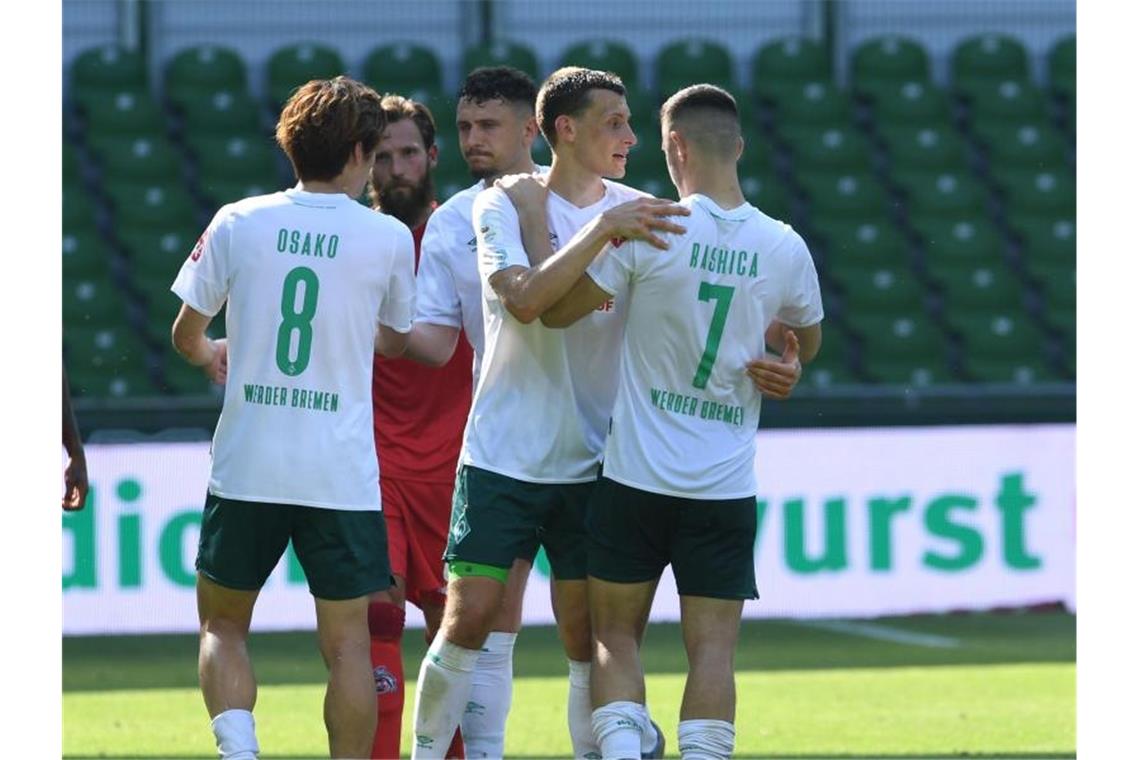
{"x": 627, "y": 227}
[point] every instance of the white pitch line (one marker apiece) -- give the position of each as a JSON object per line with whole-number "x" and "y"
{"x": 882, "y": 632}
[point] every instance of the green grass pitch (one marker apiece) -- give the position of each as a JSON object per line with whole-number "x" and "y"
{"x": 987, "y": 686}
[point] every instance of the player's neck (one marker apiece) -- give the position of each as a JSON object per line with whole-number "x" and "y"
{"x": 575, "y": 183}
{"x": 331, "y": 187}
{"x": 525, "y": 165}
{"x": 722, "y": 188}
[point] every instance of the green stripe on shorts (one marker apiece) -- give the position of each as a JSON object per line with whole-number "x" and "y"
{"x": 460, "y": 569}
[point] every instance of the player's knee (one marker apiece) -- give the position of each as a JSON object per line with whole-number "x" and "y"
{"x": 385, "y": 621}
{"x": 576, "y": 639}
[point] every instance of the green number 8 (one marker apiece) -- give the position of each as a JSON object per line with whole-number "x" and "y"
{"x": 301, "y": 321}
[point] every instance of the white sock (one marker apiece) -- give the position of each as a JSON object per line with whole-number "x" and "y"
{"x": 235, "y": 735}
{"x": 706, "y": 739}
{"x": 578, "y": 712}
{"x": 441, "y": 695}
{"x": 485, "y": 718}
{"x": 618, "y": 727}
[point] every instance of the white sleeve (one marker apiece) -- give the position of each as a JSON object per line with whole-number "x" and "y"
{"x": 203, "y": 283}
{"x": 497, "y": 233}
{"x": 613, "y": 269}
{"x": 802, "y": 305}
{"x": 399, "y": 302}
{"x": 437, "y": 297}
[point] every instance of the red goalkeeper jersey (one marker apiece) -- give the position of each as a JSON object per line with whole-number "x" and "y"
{"x": 418, "y": 412}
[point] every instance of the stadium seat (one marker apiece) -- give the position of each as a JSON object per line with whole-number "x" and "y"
{"x": 109, "y": 348}
{"x": 1057, "y": 283}
{"x": 834, "y": 149}
{"x": 926, "y": 147}
{"x": 1023, "y": 145}
{"x": 878, "y": 290}
{"x": 946, "y": 193}
{"x": 182, "y": 379}
{"x": 604, "y": 55}
{"x": 957, "y": 242}
{"x": 646, "y": 159}
{"x": 236, "y": 158}
{"x": 403, "y": 66}
{"x": 644, "y": 114}
{"x": 442, "y": 106}
{"x": 202, "y": 69}
{"x": 1038, "y": 192}
{"x": 85, "y": 254}
{"x": 1049, "y": 239}
{"x": 1026, "y": 370}
{"x": 912, "y": 338}
{"x": 219, "y": 192}
{"x": 1002, "y": 334}
{"x": 988, "y": 58}
{"x": 539, "y": 153}
{"x": 108, "y": 67}
{"x": 220, "y": 112}
{"x": 693, "y": 61}
{"x": 158, "y": 250}
{"x": 122, "y": 112}
{"x": 757, "y": 155}
{"x": 868, "y": 242}
{"x": 78, "y": 208}
{"x": 291, "y": 66}
{"x": 1006, "y": 99}
{"x": 767, "y": 192}
{"x": 501, "y": 53}
{"x": 450, "y": 164}
{"x": 889, "y": 59}
{"x": 158, "y": 204}
{"x": 853, "y": 195}
{"x": 920, "y": 372}
{"x": 786, "y": 63}
{"x": 968, "y": 288}
{"x": 1063, "y": 67}
{"x": 126, "y": 382}
{"x": 814, "y": 104}
{"x": 91, "y": 302}
{"x": 827, "y": 371}
{"x": 911, "y": 102}
{"x": 137, "y": 158}
{"x": 71, "y": 172}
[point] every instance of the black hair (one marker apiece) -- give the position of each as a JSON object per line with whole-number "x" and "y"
{"x": 567, "y": 92}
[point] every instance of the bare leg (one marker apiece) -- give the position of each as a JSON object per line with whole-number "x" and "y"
{"x": 224, "y": 670}
{"x": 710, "y": 628}
{"x": 350, "y": 700}
{"x": 619, "y": 612}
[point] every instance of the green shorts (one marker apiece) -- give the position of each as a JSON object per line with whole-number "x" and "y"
{"x": 496, "y": 519}
{"x": 634, "y": 534}
{"x": 344, "y": 553}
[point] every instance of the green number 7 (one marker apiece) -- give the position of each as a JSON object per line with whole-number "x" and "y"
{"x": 722, "y": 294}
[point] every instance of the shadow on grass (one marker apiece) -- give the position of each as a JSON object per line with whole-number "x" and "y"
{"x": 170, "y": 661}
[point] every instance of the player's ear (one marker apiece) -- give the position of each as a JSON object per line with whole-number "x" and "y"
{"x": 433, "y": 156}
{"x": 564, "y": 128}
{"x": 739, "y": 147}
{"x": 677, "y": 140}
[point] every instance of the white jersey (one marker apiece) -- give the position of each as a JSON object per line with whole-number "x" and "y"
{"x": 685, "y": 419}
{"x": 448, "y": 291}
{"x": 307, "y": 277}
{"x": 544, "y": 396}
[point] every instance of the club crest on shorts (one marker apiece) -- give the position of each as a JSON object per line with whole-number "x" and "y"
{"x": 386, "y": 682}
{"x": 459, "y": 526}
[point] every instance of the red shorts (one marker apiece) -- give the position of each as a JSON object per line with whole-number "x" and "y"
{"x": 418, "y": 516}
